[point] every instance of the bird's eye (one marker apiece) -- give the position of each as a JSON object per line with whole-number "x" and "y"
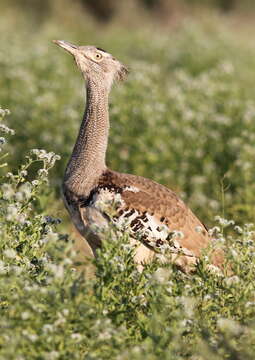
{"x": 98, "y": 56}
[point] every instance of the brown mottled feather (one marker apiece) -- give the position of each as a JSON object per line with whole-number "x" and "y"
{"x": 160, "y": 202}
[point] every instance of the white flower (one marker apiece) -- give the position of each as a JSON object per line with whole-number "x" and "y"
{"x": 214, "y": 230}
{"x": 12, "y": 213}
{"x": 25, "y": 315}
{"x": 42, "y": 172}
{"x": 48, "y": 328}
{"x": 10, "y": 175}
{"x": 60, "y": 321}
{"x": 68, "y": 261}
{"x": 57, "y": 270}
{"x": 250, "y": 303}
{"x": 188, "y": 304}
{"x": 105, "y": 335}
{"x": 234, "y": 253}
{"x": 4, "y": 112}
{"x": 121, "y": 267}
{"x": 76, "y": 336}
{"x": 8, "y": 191}
{"x": 17, "y": 269}
{"x": 53, "y": 355}
{"x": 65, "y": 312}
{"x": 229, "y": 325}
{"x": 19, "y": 196}
{"x": 2, "y": 140}
{"x": 23, "y": 173}
{"x": 26, "y": 189}
{"x": 161, "y": 275}
{"x": 232, "y": 280}
{"x": 31, "y": 337}
{"x": 6, "y": 130}
{"x": 224, "y": 222}
{"x": 141, "y": 300}
{"x": 3, "y": 269}
{"x": 10, "y": 253}
{"x": 186, "y": 323}
{"x": 48, "y": 158}
{"x": 51, "y": 237}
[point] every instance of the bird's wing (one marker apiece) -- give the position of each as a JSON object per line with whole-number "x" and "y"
{"x": 153, "y": 211}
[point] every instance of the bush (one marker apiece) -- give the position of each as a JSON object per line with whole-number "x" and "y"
{"x": 185, "y": 118}
{"x": 50, "y": 310}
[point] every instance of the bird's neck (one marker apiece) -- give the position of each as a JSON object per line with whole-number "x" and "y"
{"x": 87, "y": 161}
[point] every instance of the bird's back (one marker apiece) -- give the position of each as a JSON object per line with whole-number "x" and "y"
{"x": 154, "y": 214}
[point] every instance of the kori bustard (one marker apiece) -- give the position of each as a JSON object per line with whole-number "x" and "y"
{"x": 153, "y": 213}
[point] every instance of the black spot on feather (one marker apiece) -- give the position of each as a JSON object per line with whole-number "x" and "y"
{"x": 130, "y": 213}
{"x": 159, "y": 242}
{"x": 170, "y": 236}
{"x": 134, "y": 222}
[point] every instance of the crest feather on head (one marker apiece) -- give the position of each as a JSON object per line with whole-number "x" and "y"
{"x": 122, "y": 73}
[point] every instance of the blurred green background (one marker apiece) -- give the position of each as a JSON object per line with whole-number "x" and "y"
{"x": 185, "y": 117}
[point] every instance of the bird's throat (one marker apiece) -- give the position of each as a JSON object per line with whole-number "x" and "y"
{"x": 87, "y": 161}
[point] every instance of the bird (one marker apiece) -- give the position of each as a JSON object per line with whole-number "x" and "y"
{"x": 155, "y": 216}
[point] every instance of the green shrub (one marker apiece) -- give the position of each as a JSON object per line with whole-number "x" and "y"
{"x": 185, "y": 118}
{"x": 50, "y": 310}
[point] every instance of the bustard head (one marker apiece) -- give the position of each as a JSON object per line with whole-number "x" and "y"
{"x": 95, "y": 63}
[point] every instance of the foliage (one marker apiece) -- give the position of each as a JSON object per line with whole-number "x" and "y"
{"x": 50, "y": 310}
{"x": 185, "y": 118}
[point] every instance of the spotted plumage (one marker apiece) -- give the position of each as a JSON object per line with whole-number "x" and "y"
{"x": 153, "y": 214}
{"x": 160, "y": 224}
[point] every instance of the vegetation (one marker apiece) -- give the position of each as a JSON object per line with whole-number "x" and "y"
{"x": 185, "y": 117}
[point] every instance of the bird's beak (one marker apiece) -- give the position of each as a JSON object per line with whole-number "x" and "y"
{"x": 67, "y": 46}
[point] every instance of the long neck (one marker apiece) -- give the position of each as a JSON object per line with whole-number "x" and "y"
{"x": 87, "y": 161}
